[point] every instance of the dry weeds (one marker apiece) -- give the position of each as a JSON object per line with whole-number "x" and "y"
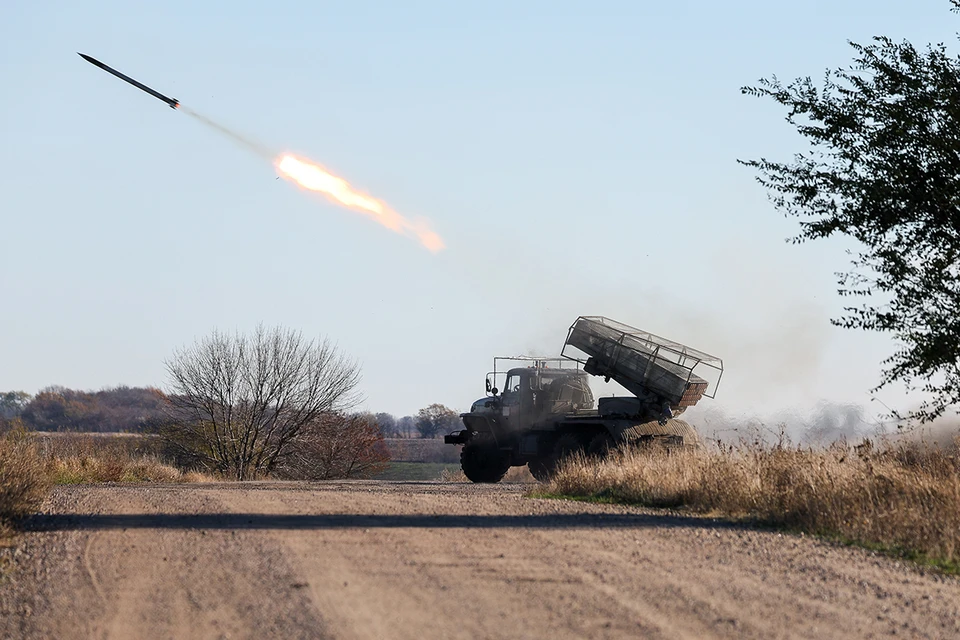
{"x": 82, "y": 458}
{"x": 24, "y": 478}
{"x": 899, "y": 498}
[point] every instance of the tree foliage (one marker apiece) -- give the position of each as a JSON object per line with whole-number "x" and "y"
{"x": 122, "y": 408}
{"x": 12, "y": 403}
{"x": 435, "y": 420}
{"x": 239, "y": 403}
{"x": 883, "y": 167}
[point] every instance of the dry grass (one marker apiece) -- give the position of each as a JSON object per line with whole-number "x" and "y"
{"x": 82, "y": 469}
{"x": 84, "y": 458}
{"x": 24, "y": 478}
{"x": 899, "y": 498}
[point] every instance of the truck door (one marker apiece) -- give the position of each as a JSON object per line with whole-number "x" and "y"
{"x": 512, "y": 402}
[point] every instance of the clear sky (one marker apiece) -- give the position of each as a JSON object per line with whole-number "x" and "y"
{"x": 576, "y": 157}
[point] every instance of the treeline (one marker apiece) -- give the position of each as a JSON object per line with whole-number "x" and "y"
{"x": 122, "y": 409}
{"x": 142, "y": 409}
{"x": 433, "y": 421}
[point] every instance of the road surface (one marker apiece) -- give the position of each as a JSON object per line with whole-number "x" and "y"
{"x": 370, "y": 559}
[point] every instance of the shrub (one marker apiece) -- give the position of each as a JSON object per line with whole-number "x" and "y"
{"x": 24, "y": 476}
{"x": 337, "y": 446}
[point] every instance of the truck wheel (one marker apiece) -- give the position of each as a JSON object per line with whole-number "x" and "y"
{"x": 483, "y": 462}
{"x": 542, "y": 469}
{"x": 566, "y": 446}
{"x": 601, "y": 445}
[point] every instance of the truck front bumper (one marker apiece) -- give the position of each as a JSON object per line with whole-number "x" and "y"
{"x": 457, "y": 437}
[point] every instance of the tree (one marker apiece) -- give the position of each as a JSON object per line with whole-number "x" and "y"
{"x": 432, "y": 421}
{"x": 387, "y": 424}
{"x": 12, "y": 403}
{"x": 406, "y": 426}
{"x": 884, "y": 168}
{"x": 118, "y": 409}
{"x": 336, "y": 445}
{"x": 239, "y": 403}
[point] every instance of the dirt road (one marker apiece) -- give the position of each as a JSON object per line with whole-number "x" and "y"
{"x": 434, "y": 560}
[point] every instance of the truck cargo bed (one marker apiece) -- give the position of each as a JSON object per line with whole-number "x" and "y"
{"x": 643, "y": 363}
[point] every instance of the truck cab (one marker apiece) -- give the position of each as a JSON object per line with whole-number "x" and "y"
{"x": 532, "y": 397}
{"x": 500, "y": 427}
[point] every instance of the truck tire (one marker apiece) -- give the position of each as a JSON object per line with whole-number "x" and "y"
{"x": 483, "y": 462}
{"x": 601, "y": 445}
{"x": 543, "y": 468}
{"x": 567, "y": 445}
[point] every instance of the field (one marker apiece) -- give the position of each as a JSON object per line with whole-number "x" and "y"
{"x": 418, "y": 470}
{"x": 418, "y": 459}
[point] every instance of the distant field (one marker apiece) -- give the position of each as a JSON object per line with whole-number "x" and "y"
{"x": 420, "y": 450}
{"x": 417, "y": 470}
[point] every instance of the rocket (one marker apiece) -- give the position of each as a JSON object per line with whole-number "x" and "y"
{"x": 172, "y": 102}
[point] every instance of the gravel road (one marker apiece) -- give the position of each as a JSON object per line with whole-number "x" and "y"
{"x": 427, "y": 560}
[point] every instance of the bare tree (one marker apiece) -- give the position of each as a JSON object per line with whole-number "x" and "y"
{"x": 240, "y": 402}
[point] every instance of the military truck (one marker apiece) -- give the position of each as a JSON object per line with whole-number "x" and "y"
{"x": 546, "y": 410}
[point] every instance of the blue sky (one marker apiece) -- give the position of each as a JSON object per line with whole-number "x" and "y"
{"x": 577, "y": 158}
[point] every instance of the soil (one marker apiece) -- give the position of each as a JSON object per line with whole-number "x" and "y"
{"x": 369, "y": 559}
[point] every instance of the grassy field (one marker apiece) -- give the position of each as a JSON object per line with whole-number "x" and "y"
{"x": 902, "y": 499}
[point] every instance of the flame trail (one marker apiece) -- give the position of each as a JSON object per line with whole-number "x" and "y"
{"x": 313, "y": 177}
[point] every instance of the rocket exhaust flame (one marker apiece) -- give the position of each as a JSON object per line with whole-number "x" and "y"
{"x": 313, "y": 177}
{"x": 307, "y": 174}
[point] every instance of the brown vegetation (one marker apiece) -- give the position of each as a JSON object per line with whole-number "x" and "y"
{"x": 109, "y": 410}
{"x": 86, "y": 458}
{"x": 337, "y": 446}
{"x": 24, "y": 477}
{"x": 901, "y": 498}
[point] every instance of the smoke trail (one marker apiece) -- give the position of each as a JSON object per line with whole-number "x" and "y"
{"x": 243, "y": 141}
